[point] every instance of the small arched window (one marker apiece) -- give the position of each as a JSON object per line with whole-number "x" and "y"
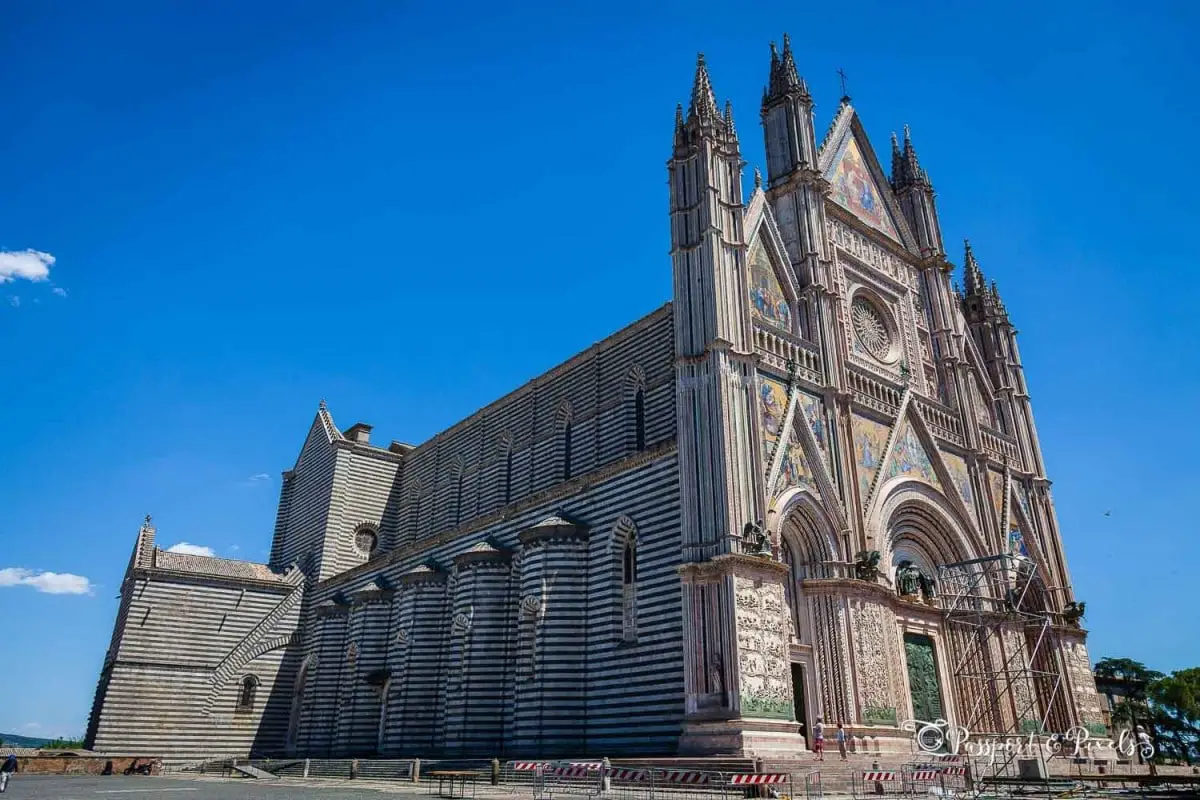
{"x": 246, "y": 695}
{"x": 629, "y": 589}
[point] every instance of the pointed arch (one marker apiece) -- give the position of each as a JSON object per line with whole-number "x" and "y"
{"x": 564, "y": 425}
{"x": 623, "y": 546}
{"x": 917, "y": 522}
{"x": 635, "y": 409}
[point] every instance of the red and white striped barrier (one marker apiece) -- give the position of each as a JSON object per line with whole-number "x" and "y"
{"x": 575, "y": 770}
{"x": 627, "y": 774}
{"x": 954, "y": 770}
{"x": 925, "y": 774}
{"x": 757, "y": 779}
{"x": 688, "y": 777}
{"x": 879, "y": 776}
{"x": 953, "y": 759}
{"x": 527, "y": 766}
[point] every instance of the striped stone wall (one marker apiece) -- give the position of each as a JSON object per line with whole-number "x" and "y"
{"x": 506, "y": 639}
{"x": 186, "y": 641}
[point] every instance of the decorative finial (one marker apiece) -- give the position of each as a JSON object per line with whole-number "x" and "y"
{"x": 845, "y": 95}
{"x": 907, "y": 135}
{"x": 703, "y": 102}
{"x": 895, "y": 143}
{"x": 148, "y": 520}
{"x": 757, "y": 178}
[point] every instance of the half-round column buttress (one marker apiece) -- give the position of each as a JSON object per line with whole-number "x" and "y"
{"x": 548, "y": 676}
{"x": 478, "y": 655}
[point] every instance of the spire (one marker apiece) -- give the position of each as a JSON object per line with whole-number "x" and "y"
{"x": 730, "y": 128}
{"x": 757, "y": 178}
{"x": 680, "y": 133}
{"x": 973, "y": 278}
{"x": 784, "y": 78}
{"x": 999, "y": 304}
{"x": 906, "y": 169}
{"x": 704, "y": 104}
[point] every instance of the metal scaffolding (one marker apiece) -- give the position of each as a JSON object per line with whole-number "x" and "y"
{"x": 1002, "y": 649}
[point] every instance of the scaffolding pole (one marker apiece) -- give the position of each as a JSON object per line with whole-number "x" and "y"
{"x": 1003, "y": 651}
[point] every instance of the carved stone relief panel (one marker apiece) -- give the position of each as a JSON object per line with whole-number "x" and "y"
{"x": 763, "y": 629}
{"x": 877, "y": 657}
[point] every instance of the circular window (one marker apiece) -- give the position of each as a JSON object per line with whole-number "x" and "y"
{"x": 366, "y": 540}
{"x": 871, "y": 331}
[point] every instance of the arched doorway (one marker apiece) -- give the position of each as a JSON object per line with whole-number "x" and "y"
{"x": 809, "y": 550}
{"x": 291, "y": 744}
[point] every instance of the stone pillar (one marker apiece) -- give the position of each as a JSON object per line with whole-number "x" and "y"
{"x": 415, "y": 657}
{"x": 548, "y": 686}
{"x": 742, "y": 703}
{"x": 331, "y": 623}
{"x": 369, "y": 629}
{"x": 479, "y": 653}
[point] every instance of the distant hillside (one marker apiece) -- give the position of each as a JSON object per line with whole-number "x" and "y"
{"x": 14, "y": 740}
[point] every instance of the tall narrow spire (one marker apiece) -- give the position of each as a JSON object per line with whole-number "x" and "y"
{"x": 906, "y": 168}
{"x": 704, "y": 103}
{"x": 784, "y": 79}
{"x": 973, "y": 280}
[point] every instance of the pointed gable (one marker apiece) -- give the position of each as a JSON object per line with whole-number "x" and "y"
{"x": 768, "y": 303}
{"x": 854, "y": 188}
{"x": 909, "y": 459}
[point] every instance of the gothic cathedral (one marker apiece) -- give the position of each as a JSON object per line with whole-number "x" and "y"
{"x": 809, "y": 487}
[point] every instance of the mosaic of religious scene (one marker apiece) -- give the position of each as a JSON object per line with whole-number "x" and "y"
{"x": 812, "y": 409}
{"x": 870, "y": 438}
{"x": 1016, "y": 542}
{"x": 793, "y": 471}
{"x": 767, "y": 299}
{"x": 961, "y": 479}
{"x": 997, "y": 484}
{"x": 909, "y": 458}
{"x": 855, "y": 189}
{"x": 1023, "y": 499}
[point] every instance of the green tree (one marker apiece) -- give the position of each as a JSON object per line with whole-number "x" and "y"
{"x": 1176, "y": 702}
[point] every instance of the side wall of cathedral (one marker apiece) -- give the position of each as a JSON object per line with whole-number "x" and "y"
{"x": 202, "y": 658}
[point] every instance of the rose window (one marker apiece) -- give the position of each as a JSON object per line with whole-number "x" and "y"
{"x": 869, "y": 329}
{"x": 365, "y": 540}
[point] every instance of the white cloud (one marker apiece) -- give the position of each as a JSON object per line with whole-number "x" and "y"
{"x": 30, "y": 265}
{"x": 48, "y": 582}
{"x": 262, "y": 476}
{"x": 58, "y": 290}
{"x": 14, "y": 301}
{"x": 191, "y": 549}
{"x": 233, "y": 548}
{"x": 31, "y": 727}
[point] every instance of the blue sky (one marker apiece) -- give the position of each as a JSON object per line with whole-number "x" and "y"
{"x": 409, "y": 209}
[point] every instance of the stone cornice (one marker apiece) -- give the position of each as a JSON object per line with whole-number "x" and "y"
{"x": 734, "y": 564}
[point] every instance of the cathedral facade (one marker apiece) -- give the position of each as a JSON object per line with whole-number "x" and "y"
{"x": 699, "y": 535}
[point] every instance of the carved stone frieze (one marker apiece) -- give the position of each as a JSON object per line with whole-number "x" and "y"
{"x": 763, "y": 632}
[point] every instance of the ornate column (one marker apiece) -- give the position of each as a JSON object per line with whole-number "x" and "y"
{"x": 745, "y": 700}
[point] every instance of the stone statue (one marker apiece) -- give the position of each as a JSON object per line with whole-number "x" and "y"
{"x": 1073, "y": 612}
{"x": 866, "y": 565}
{"x": 754, "y": 539}
{"x": 928, "y": 586}
{"x": 908, "y": 578}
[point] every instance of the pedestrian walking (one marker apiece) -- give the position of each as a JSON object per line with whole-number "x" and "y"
{"x": 841, "y": 740}
{"x": 6, "y": 770}
{"x": 819, "y": 740}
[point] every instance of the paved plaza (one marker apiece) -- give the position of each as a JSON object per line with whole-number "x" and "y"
{"x": 56, "y": 787}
